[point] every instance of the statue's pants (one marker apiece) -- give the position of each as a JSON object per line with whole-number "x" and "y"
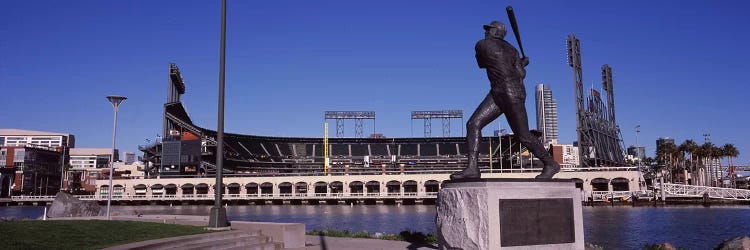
{"x": 505, "y": 97}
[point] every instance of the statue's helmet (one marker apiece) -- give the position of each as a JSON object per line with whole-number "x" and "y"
{"x": 495, "y": 29}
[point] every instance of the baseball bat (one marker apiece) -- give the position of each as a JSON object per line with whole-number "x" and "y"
{"x": 514, "y": 25}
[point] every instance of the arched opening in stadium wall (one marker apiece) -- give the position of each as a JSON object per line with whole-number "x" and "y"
{"x": 620, "y": 184}
{"x": 356, "y": 187}
{"x": 373, "y": 187}
{"x": 266, "y": 188}
{"x": 140, "y": 189}
{"x": 251, "y": 188}
{"x": 410, "y": 186}
{"x": 600, "y": 184}
{"x": 157, "y": 189}
{"x": 301, "y": 188}
{"x": 321, "y": 187}
{"x": 431, "y": 186}
{"x": 170, "y": 189}
{"x": 393, "y": 187}
{"x": 201, "y": 188}
{"x": 233, "y": 188}
{"x": 188, "y": 188}
{"x": 285, "y": 188}
{"x": 337, "y": 187}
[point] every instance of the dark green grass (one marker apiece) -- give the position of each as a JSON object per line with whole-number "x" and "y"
{"x": 88, "y": 234}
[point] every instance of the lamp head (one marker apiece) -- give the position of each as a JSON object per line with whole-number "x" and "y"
{"x": 116, "y": 100}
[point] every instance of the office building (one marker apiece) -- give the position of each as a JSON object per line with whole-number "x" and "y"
{"x": 83, "y": 158}
{"x": 566, "y": 155}
{"x": 638, "y": 152}
{"x": 546, "y": 114}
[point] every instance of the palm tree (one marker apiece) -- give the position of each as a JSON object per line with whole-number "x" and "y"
{"x": 689, "y": 146}
{"x": 707, "y": 156}
{"x": 700, "y": 156}
{"x": 717, "y": 154}
{"x": 677, "y": 165}
{"x": 665, "y": 153}
{"x": 731, "y": 152}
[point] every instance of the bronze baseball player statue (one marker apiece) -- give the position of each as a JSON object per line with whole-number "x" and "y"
{"x": 506, "y": 71}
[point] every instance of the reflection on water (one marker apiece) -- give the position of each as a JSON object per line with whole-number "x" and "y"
{"x": 380, "y": 218}
{"x": 612, "y": 227}
{"x": 691, "y": 227}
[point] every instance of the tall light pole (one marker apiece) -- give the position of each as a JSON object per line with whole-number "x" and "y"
{"x": 638, "y": 149}
{"x": 218, "y": 218}
{"x": 115, "y": 100}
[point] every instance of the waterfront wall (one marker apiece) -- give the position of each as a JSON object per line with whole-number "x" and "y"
{"x": 412, "y": 183}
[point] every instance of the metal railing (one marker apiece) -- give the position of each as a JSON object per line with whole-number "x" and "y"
{"x": 610, "y": 195}
{"x": 681, "y": 190}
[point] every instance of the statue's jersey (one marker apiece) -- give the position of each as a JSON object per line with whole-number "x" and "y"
{"x": 500, "y": 59}
{"x": 503, "y": 65}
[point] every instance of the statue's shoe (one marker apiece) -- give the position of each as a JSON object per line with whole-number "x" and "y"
{"x": 549, "y": 171}
{"x": 468, "y": 173}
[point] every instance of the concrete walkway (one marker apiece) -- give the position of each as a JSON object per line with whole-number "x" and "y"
{"x": 323, "y": 243}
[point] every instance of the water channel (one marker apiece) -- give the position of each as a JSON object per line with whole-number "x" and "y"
{"x": 692, "y": 227}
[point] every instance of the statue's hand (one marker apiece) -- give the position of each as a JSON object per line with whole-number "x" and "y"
{"x": 525, "y": 61}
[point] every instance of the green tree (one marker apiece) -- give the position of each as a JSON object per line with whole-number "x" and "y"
{"x": 665, "y": 154}
{"x": 707, "y": 153}
{"x": 717, "y": 154}
{"x": 730, "y": 151}
{"x": 690, "y": 147}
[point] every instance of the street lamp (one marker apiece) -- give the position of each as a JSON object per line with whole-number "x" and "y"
{"x": 115, "y": 100}
{"x": 218, "y": 217}
{"x": 638, "y": 149}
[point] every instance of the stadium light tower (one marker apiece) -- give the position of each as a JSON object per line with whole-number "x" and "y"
{"x": 218, "y": 218}
{"x": 115, "y": 100}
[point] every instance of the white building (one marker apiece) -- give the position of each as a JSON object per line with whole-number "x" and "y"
{"x": 566, "y": 155}
{"x": 130, "y": 170}
{"x": 20, "y": 137}
{"x": 86, "y": 158}
{"x": 546, "y": 114}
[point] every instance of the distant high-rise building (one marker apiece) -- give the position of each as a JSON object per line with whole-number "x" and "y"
{"x": 664, "y": 140}
{"x": 546, "y": 114}
{"x": 129, "y": 158}
{"x": 639, "y": 152}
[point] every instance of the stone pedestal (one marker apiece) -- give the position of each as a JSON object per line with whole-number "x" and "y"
{"x": 509, "y": 214}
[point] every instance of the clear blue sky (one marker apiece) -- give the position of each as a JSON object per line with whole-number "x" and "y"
{"x": 679, "y": 67}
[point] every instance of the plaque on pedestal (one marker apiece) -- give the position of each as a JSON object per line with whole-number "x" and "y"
{"x": 509, "y": 214}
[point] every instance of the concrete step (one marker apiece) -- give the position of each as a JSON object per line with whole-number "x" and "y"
{"x": 240, "y": 241}
{"x": 181, "y": 242}
{"x": 261, "y": 246}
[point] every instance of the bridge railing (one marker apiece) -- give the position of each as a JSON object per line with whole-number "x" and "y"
{"x": 681, "y": 190}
